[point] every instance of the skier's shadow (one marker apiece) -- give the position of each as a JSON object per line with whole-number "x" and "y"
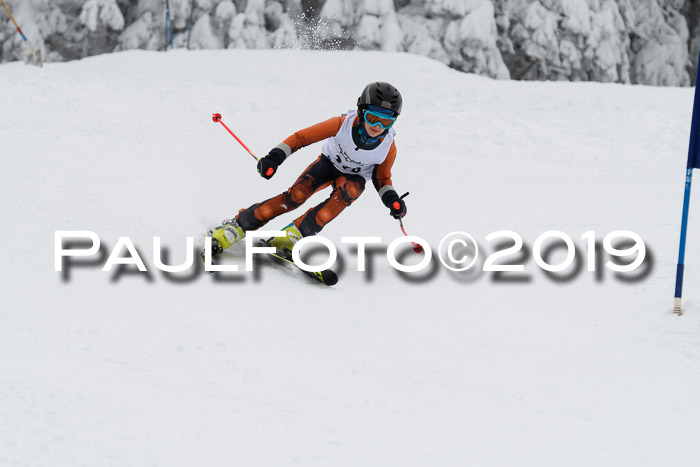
{"x": 308, "y": 256}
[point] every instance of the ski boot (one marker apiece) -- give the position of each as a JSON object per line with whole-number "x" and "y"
{"x": 287, "y": 243}
{"x": 225, "y": 235}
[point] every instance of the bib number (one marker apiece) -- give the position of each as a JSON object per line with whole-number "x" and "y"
{"x": 351, "y": 169}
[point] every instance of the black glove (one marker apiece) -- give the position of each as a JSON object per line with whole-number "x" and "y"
{"x": 397, "y": 206}
{"x": 267, "y": 166}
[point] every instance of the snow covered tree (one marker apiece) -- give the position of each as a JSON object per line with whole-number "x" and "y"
{"x": 640, "y": 41}
{"x": 691, "y": 11}
{"x": 335, "y": 26}
{"x": 282, "y": 33}
{"x": 652, "y": 42}
{"x": 211, "y": 24}
{"x": 423, "y": 36}
{"x": 147, "y": 31}
{"x": 378, "y": 28}
{"x": 606, "y": 53}
{"x": 98, "y": 14}
{"x": 660, "y": 44}
{"x": 103, "y": 20}
{"x": 535, "y": 35}
{"x": 261, "y": 26}
{"x": 461, "y": 33}
{"x": 223, "y": 15}
{"x": 247, "y": 29}
{"x": 39, "y": 20}
{"x": 694, "y": 51}
{"x": 470, "y": 41}
{"x": 142, "y": 34}
{"x": 204, "y": 35}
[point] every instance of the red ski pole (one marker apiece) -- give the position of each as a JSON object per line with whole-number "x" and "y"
{"x": 416, "y": 246}
{"x": 217, "y": 118}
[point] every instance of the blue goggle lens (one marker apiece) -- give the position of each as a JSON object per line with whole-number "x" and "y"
{"x": 383, "y": 120}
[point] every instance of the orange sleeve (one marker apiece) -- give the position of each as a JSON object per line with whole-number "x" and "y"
{"x": 312, "y": 134}
{"x": 381, "y": 177}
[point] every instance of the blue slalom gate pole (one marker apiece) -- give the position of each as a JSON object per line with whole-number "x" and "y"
{"x": 170, "y": 22}
{"x": 168, "y": 26}
{"x": 189, "y": 25}
{"x": 693, "y": 160}
{"x": 681, "y": 250}
{"x": 165, "y": 30}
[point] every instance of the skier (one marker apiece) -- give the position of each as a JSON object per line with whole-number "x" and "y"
{"x": 357, "y": 146}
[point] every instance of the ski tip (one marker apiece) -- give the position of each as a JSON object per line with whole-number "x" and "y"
{"x": 332, "y": 282}
{"x": 329, "y": 277}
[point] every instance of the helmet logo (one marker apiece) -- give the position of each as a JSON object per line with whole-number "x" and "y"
{"x": 386, "y": 105}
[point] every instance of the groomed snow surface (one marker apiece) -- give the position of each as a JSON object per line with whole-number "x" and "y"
{"x": 135, "y": 369}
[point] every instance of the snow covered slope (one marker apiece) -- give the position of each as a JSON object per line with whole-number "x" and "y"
{"x": 137, "y": 369}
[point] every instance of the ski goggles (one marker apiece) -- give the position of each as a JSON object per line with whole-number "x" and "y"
{"x": 383, "y": 120}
